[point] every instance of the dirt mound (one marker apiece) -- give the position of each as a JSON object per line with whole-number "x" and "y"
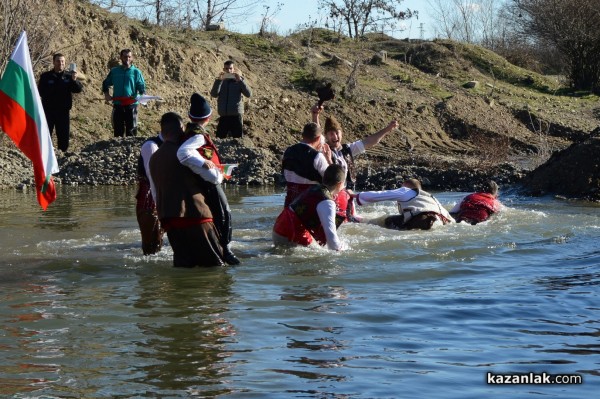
{"x": 573, "y": 172}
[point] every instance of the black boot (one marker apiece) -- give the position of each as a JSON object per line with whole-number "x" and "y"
{"x": 229, "y": 257}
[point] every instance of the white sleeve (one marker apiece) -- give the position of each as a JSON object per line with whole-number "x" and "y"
{"x": 400, "y": 194}
{"x": 326, "y": 211}
{"x": 357, "y": 148}
{"x": 320, "y": 163}
{"x": 149, "y": 148}
{"x": 189, "y": 156}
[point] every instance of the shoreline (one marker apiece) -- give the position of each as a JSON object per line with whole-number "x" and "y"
{"x": 114, "y": 162}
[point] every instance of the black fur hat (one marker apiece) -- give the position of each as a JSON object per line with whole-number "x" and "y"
{"x": 199, "y": 107}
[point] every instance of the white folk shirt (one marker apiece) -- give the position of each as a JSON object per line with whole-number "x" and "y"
{"x": 189, "y": 156}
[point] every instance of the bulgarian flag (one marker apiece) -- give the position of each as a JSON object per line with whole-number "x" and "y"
{"x": 22, "y": 118}
{"x": 227, "y": 169}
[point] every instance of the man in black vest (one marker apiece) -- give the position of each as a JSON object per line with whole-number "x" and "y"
{"x": 304, "y": 163}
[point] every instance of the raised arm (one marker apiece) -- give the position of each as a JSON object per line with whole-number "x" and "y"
{"x": 375, "y": 138}
{"x": 316, "y": 113}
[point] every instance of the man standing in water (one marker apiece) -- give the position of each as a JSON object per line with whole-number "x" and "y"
{"x": 152, "y": 232}
{"x": 305, "y": 163}
{"x": 180, "y": 204}
{"x": 343, "y": 154}
{"x": 311, "y": 216}
{"x": 200, "y": 154}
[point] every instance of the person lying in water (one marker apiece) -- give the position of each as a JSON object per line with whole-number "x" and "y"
{"x": 311, "y": 216}
{"x": 479, "y": 206}
{"x": 418, "y": 209}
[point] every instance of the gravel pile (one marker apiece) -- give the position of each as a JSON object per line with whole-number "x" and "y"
{"x": 114, "y": 162}
{"x": 439, "y": 178}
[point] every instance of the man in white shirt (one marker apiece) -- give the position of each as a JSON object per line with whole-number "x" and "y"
{"x": 311, "y": 216}
{"x": 418, "y": 209}
{"x": 343, "y": 154}
{"x": 200, "y": 154}
{"x": 147, "y": 217}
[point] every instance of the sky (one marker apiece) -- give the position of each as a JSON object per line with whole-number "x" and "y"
{"x": 297, "y": 12}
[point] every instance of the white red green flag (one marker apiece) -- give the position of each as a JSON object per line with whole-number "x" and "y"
{"x": 22, "y": 118}
{"x": 227, "y": 169}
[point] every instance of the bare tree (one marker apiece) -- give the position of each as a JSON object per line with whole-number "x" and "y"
{"x": 571, "y": 26}
{"x": 209, "y": 12}
{"x": 29, "y": 15}
{"x": 268, "y": 16}
{"x": 466, "y": 20}
{"x": 360, "y": 16}
{"x": 184, "y": 13}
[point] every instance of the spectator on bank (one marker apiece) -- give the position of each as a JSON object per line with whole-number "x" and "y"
{"x": 56, "y": 89}
{"x": 228, "y": 88}
{"x": 127, "y": 82}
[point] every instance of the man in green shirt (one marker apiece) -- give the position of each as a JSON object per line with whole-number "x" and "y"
{"x": 127, "y": 82}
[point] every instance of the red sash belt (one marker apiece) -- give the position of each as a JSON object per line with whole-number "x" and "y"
{"x": 125, "y": 100}
{"x": 182, "y": 223}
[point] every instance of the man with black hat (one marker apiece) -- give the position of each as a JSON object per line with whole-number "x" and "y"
{"x": 180, "y": 203}
{"x": 200, "y": 154}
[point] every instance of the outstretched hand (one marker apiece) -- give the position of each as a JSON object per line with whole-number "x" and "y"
{"x": 393, "y": 125}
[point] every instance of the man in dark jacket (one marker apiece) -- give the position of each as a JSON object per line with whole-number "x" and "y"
{"x": 229, "y": 87}
{"x": 56, "y": 88}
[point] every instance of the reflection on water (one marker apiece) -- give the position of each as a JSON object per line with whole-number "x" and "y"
{"x": 401, "y": 314}
{"x": 188, "y": 330}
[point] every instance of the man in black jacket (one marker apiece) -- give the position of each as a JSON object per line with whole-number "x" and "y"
{"x": 56, "y": 87}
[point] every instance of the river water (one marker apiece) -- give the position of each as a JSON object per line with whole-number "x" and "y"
{"x": 399, "y": 315}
